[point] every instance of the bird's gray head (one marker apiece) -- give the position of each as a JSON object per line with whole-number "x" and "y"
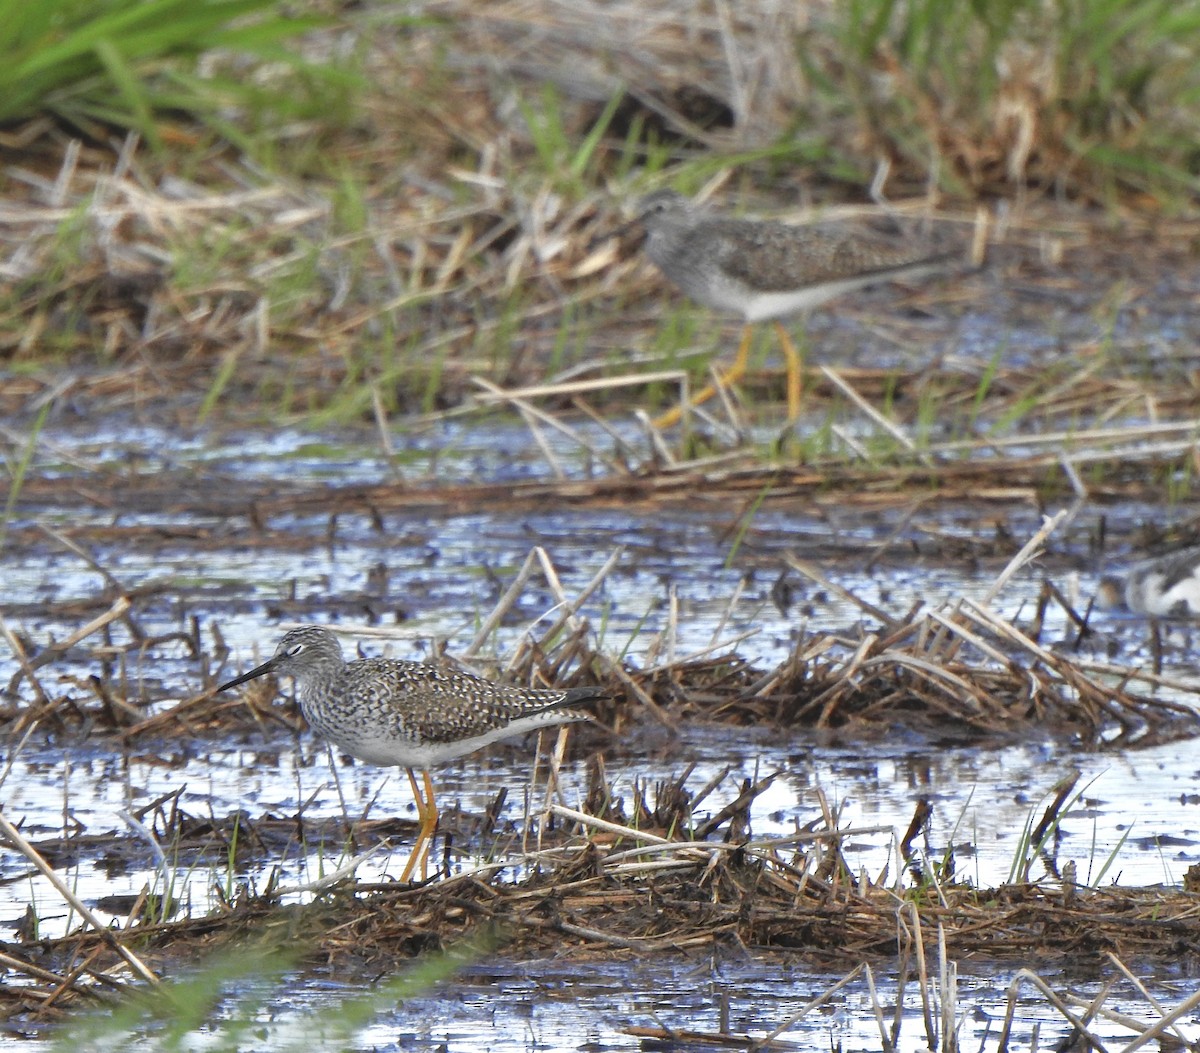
{"x": 1110, "y": 593}
{"x": 665, "y": 209}
{"x": 301, "y": 653}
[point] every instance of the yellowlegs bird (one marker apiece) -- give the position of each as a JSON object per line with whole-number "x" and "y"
{"x": 765, "y": 271}
{"x": 1165, "y": 587}
{"x": 410, "y": 714}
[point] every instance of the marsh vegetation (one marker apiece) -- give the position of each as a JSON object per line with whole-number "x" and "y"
{"x": 316, "y": 317}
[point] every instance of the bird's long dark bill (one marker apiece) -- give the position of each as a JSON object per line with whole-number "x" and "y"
{"x": 620, "y": 232}
{"x": 266, "y": 667}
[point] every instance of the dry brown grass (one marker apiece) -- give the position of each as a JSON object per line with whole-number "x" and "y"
{"x": 377, "y": 285}
{"x": 603, "y": 889}
{"x": 956, "y": 663}
{"x": 433, "y": 259}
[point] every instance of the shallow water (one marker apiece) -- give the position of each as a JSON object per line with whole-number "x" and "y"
{"x": 430, "y": 577}
{"x": 1139, "y": 809}
{"x": 982, "y": 801}
{"x": 599, "y": 1006}
{"x": 434, "y": 577}
{"x": 555, "y": 1006}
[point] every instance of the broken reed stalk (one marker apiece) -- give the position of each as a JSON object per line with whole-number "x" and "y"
{"x": 119, "y": 609}
{"x": 1027, "y": 552}
{"x": 494, "y": 393}
{"x": 519, "y": 399}
{"x": 816, "y": 575}
{"x": 694, "y": 848}
{"x": 1166, "y": 1018}
{"x": 872, "y": 414}
{"x": 503, "y": 605}
{"x": 948, "y": 1002}
{"x": 1146, "y": 994}
{"x": 1092, "y": 1009}
{"x": 1187, "y": 1006}
{"x": 698, "y": 656}
{"x": 26, "y": 670}
{"x": 877, "y": 1010}
{"x": 76, "y": 904}
{"x": 569, "y": 609}
{"x": 1027, "y": 976}
{"x": 812, "y": 1004}
{"x": 20, "y": 967}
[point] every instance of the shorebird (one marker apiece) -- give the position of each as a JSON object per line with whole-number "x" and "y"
{"x": 1164, "y": 587}
{"x": 408, "y": 714}
{"x": 766, "y": 271}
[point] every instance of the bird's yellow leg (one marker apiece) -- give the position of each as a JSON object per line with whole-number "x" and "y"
{"x": 427, "y": 817}
{"x": 738, "y": 369}
{"x": 431, "y": 822}
{"x": 795, "y": 374}
{"x": 735, "y": 373}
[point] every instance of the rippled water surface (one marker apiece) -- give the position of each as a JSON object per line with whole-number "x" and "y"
{"x": 687, "y": 580}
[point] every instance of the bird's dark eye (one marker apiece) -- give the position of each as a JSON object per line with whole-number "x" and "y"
{"x": 295, "y": 650}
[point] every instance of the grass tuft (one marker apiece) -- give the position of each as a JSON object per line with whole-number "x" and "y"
{"x": 128, "y": 63}
{"x": 1097, "y": 96}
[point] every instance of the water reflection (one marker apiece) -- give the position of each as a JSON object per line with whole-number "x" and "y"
{"x": 436, "y": 577}
{"x": 982, "y": 802}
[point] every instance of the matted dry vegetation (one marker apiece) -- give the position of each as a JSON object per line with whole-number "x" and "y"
{"x": 460, "y": 245}
{"x": 958, "y": 662}
{"x": 656, "y": 872}
{"x": 604, "y": 888}
{"x": 455, "y": 267}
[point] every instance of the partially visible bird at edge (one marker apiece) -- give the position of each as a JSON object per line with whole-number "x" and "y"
{"x": 1163, "y": 587}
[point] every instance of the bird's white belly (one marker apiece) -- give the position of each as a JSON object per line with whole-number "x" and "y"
{"x": 406, "y": 752}
{"x": 758, "y": 306}
{"x": 766, "y": 306}
{"x": 1147, "y": 595}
